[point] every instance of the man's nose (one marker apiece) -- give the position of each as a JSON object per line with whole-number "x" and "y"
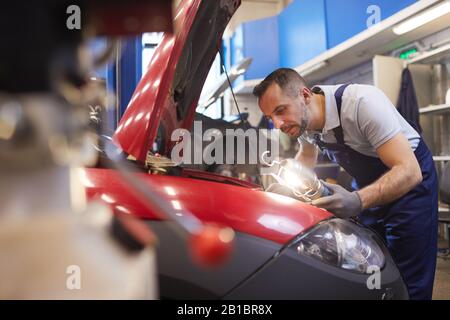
{"x": 277, "y": 122}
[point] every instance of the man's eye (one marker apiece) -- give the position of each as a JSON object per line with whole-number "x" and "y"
{"x": 280, "y": 110}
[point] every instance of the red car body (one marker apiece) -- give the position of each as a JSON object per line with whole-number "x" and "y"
{"x": 244, "y": 208}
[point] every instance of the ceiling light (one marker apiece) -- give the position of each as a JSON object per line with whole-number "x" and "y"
{"x": 422, "y": 18}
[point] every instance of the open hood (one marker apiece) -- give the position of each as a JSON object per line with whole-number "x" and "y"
{"x": 167, "y": 95}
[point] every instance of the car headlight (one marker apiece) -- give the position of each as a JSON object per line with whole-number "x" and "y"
{"x": 343, "y": 244}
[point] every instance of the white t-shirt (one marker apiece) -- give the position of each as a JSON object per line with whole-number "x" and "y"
{"x": 368, "y": 119}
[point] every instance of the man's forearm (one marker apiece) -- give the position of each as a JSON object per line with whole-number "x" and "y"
{"x": 398, "y": 181}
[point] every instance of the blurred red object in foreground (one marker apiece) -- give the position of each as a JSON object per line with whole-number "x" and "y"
{"x": 212, "y": 245}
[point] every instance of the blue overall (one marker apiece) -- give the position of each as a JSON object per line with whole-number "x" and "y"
{"x": 409, "y": 224}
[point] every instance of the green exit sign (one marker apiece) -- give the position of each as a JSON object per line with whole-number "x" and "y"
{"x": 405, "y": 55}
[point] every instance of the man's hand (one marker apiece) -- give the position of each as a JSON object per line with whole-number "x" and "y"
{"x": 342, "y": 203}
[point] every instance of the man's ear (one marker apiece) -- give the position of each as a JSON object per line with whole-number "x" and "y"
{"x": 306, "y": 94}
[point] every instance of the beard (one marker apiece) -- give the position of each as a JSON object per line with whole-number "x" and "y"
{"x": 301, "y": 127}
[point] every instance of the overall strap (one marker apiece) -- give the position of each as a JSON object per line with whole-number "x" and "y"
{"x": 338, "y": 132}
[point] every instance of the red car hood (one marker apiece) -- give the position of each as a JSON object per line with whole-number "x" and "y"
{"x": 244, "y": 208}
{"x": 168, "y": 92}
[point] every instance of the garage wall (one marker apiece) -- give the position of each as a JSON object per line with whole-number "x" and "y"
{"x": 359, "y": 74}
{"x": 349, "y": 17}
{"x": 261, "y": 40}
{"x": 303, "y": 30}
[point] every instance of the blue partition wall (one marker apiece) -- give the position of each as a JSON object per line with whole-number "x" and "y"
{"x": 303, "y": 30}
{"x": 261, "y": 37}
{"x": 346, "y": 18}
{"x": 130, "y": 72}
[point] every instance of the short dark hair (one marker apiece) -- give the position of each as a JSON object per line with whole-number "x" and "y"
{"x": 288, "y": 79}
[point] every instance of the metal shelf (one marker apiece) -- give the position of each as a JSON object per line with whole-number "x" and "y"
{"x": 432, "y": 55}
{"x": 435, "y": 109}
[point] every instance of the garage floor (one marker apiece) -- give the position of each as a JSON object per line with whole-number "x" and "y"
{"x": 442, "y": 280}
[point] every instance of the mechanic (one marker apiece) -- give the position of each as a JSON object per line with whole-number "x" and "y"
{"x": 395, "y": 179}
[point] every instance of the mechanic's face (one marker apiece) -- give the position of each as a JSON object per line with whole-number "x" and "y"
{"x": 288, "y": 113}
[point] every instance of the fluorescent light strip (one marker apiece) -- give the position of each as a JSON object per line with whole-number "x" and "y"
{"x": 423, "y": 18}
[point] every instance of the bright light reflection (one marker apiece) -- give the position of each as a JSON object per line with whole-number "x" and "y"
{"x": 107, "y": 198}
{"x": 170, "y": 191}
{"x": 176, "y": 204}
{"x": 85, "y": 179}
{"x": 123, "y": 209}
{"x": 280, "y": 224}
{"x": 139, "y": 116}
{"x": 280, "y": 198}
{"x": 127, "y": 123}
{"x": 145, "y": 88}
